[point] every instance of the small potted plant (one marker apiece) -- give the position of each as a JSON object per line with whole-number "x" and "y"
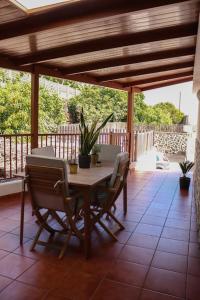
{"x": 88, "y": 137}
{"x": 184, "y": 181}
{"x": 73, "y": 166}
{"x": 95, "y": 154}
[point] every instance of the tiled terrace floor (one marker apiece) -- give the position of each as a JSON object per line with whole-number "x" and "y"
{"x": 156, "y": 258}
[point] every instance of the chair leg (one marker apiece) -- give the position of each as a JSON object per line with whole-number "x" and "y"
{"x": 107, "y": 230}
{"x": 62, "y": 252}
{"x": 116, "y": 220}
{"x": 36, "y": 238}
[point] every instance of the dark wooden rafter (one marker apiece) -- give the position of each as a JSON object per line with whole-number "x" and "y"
{"x": 167, "y": 83}
{"x": 110, "y": 42}
{"x": 150, "y": 70}
{"x": 128, "y": 60}
{"x": 157, "y": 79}
{"x": 80, "y": 78}
{"x": 75, "y": 13}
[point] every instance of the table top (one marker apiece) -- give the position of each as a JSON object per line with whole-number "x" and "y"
{"x": 86, "y": 177}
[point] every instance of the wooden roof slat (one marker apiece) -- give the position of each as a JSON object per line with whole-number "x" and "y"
{"x": 138, "y": 72}
{"x": 167, "y": 83}
{"x": 75, "y": 13}
{"x": 157, "y": 79}
{"x": 128, "y": 60}
{"x": 110, "y": 43}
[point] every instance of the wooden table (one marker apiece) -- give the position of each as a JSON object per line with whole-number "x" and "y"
{"x": 85, "y": 180}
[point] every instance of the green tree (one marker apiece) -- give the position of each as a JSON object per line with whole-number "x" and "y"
{"x": 15, "y": 106}
{"x": 167, "y": 107}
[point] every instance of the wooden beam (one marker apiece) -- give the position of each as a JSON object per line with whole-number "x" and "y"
{"x": 157, "y": 79}
{"x": 77, "y": 12}
{"x": 133, "y": 59}
{"x": 34, "y": 109}
{"x": 41, "y": 69}
{"x": 7, "y": 63}
{"x": 167, "y": 83}
{"x": 138, "y": 72}
{"x": 110, "y": 42}
{"x": 130, "y": 122}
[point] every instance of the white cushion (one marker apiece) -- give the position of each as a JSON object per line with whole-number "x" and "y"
{"x": 44, "y": 151}
{"x": 108, "y": 152}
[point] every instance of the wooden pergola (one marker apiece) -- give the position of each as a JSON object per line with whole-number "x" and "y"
{"x": 129, "y": 45}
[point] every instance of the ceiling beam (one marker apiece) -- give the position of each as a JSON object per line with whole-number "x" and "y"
{"x": 74, "y": 13}
{"x": 110, "y": 42}
{"x": 80, "y": 78}
{"x": 157, "y": 79}
{"x": 167, "y": 83}
{"x": 133, "y": 59}
{"x": 150, "y": 70}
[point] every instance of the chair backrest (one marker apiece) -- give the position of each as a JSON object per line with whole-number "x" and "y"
{"x": 52, "y": 162}
{"x": 108, "y": 152}
{"x": 46, "y": 187}
{"x": 44, "y": 151}
{"x": 122, "y": 157}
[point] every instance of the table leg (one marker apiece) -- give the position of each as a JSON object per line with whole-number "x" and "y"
{"x": 125, "y": 198}
{"x": 87, "y": 222}
{"x": 22, "y": 213}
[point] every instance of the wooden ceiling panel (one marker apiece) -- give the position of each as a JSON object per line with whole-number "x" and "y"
{"x": 9, "y": 12}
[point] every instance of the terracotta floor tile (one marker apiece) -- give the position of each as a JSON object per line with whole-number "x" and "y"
{"x": 170, "y": 261}
{"x": 178, "y": 224}
{"x": 194, "y": 250}
{"x": 194, "y": 266}
{"x": 3, "y": 254}
{"x": 193, "y": 287}
{"x": 149, "y": 229}
{"x": 166, "y": 282}
{"x": 142, "y": 240}
{"x": 173, "y": 246}
{"x": 150, "y": 295}
{"x": 123, "y": 236}
{"x": 96, "y": 265}
{"x": 4, "y": 281}
{"x": 193, "y": 237}
{"x": 148, "y": 219}
{"x": 14, "y": 265}
{"x": 130, "y": 226}
{"x": 44, "y": 275}
{"x": 20, "y": 291}
{"x": 77, "y": 286}
{"x": 137, "y": 254}
{"x": 176, "y": 234}
{"x": 110, "y": 290}
{"x": 10, "y": 242}
{"x": 127, "y": 272}
{"x": 8, "y": 224}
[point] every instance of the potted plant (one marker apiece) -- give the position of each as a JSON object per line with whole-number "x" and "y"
{"x": 89, "y": 135}
{"x": 95, "y": 154}
{"x": 73, "y": 166}
{"x": 184, "y": 181}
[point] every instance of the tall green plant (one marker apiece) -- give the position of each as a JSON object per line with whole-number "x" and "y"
{"x": 90, "y": 133}
{"x": 186, "y": 166}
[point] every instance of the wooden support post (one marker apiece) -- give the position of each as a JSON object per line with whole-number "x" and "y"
{"x": 130, "y": 118}
{"x": 34, "y": 109}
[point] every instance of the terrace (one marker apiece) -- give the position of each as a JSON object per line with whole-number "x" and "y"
{"x": 131, "y": 46}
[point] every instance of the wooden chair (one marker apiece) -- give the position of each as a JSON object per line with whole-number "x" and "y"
{"x": 48, "y": 190}
{"x": 105, "y": 197}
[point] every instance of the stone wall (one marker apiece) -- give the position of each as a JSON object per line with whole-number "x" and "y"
{"x": 171, "y": 142}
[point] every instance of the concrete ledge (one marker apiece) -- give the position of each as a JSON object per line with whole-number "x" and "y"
{"x": 10, "y": 187}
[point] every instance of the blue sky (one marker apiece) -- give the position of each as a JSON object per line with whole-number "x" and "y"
{"x": 189, "y": 102}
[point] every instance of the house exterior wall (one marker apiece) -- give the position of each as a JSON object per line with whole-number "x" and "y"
{"x": 197, "y": 169}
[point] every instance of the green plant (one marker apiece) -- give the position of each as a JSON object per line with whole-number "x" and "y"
{"x": 90, "y": 133}
{"x": 186, "y": 166}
